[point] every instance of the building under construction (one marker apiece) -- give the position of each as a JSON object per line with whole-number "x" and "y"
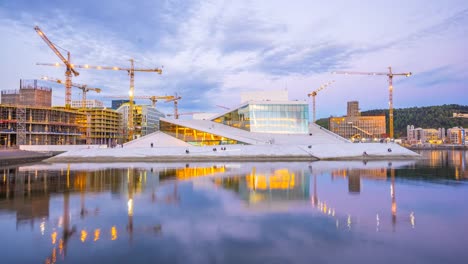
{"x": 100, "y": 126}
{"x": 25, "y": 125}
{"x": 29, "y": 94}
{"x": 356, "y": 127}
{"x": 27, "y": 118}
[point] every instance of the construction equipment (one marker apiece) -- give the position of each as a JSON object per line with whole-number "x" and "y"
{"x": 176, "y": 110}
{"x": 390, "y": 75}
{"x": 131, "y": 93}
{"x": 314, "y": 93}
{"x": 152, "y": 98}
{"x": 66, "y": 61}
{"x": 83, "y": 87}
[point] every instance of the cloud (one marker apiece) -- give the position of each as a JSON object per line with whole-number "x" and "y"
{"x": 213, "y": 50}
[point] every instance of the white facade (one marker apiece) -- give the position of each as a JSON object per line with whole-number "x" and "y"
{"x": 88, "y": 104}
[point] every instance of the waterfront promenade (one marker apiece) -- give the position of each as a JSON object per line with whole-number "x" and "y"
{"x": 343, "y": 151}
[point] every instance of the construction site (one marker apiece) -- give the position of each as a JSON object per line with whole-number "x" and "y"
{"x": 357, "y": 127}
{"x": 28, "y": 118}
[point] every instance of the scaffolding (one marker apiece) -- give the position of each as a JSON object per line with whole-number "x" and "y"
{"x": 101, "y": 126}
{"x": 24, "y": 125}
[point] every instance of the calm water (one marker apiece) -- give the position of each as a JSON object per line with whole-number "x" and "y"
{"x": 318, "y": 212}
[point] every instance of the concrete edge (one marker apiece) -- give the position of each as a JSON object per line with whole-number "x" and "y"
{"x": 258, "y": 158}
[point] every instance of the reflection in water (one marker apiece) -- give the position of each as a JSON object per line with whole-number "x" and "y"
{"x": 70, "y": 205}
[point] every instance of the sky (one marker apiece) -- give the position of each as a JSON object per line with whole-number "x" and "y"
{"x": 212, "y": 51}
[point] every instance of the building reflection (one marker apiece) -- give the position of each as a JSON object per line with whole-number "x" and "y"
{"x": 453, "y": 160}
{"x": 27, "y": 192}
{"x": 268, "y": 188}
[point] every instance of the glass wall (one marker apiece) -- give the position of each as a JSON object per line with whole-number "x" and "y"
{"x": 269, "y": 118}
{"x": 238, "y": 118}
{"x": 195, "y": 137}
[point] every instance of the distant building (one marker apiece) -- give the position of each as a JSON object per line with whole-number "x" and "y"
{"x": 117, "y": 103}
{"x": 29, "y": 94}
{"x": 145, "y": 118}
{"x": 460, "y": 115}
{"x": 353, "y": 109}
{"x": 456, "y": 135}
{"x": 424, "y": 135}
{"x": 355, "y": 126}
{"x": 88, "y": 104}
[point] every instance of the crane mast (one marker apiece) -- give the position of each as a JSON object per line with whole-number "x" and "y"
{"x": 131, "y": 93}
{"x": 390, "y": 76}
{"x": 131, "y": 124}
{"x": 176, "y": 108}
{"x": 69, "y": 67}
{"x": 314, "y": 93}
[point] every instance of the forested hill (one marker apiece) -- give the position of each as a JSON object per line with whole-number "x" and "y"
{"x": 425, "y": 117}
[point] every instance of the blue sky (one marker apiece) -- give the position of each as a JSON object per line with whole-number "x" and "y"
{"x": 214, "y": 50}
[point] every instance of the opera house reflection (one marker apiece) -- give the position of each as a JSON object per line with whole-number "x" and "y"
{"x": 75, "y": 206}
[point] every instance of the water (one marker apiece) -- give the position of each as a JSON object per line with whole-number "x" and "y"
{"x": 318, "y": 212}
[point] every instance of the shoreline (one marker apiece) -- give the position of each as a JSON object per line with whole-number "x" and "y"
{"x": 10, "y": 157}
{"x": 110, "y": 159}
{"x": 439, "y": 147}
{"x": 239, "y": 153}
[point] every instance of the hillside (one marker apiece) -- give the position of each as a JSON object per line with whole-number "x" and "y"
{"x": 425, "y": 117}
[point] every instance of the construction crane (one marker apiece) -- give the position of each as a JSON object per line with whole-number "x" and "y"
{"x": 152, "y": 98}
{"x": 69, "y": 67}
{"x": 390, "y": 75}
{"x": 176, "y": 102}
{"x": 314, "y": 93}
{"x": 131, "y": 93}
{"x": 83, "y": 87}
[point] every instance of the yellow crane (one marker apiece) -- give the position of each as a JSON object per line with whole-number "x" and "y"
{"x": 83, "y": 87}
{"x": 69, "y": 67}
{"x": 152, "y": 98}
{"x": 131, "y": 93}
{"x": 314, "y": 93}
{"x": 390, "y": 75}
{"x": 176, "y": 102}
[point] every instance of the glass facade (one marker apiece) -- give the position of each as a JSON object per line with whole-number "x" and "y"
{"x": 269, "y": 118}
{"x": 358, "y": 126}
{"x": 195, "y": 137}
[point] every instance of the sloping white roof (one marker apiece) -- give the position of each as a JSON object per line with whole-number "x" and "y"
{"x": 158, "y": 139}
{"x": 319, "y": 135}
